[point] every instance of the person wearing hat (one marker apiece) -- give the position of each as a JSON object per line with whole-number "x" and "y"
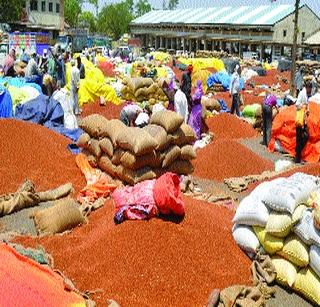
{"x": 75, "y": 83}
{"x": 186, "y": 85}
{"x": 234, "y": 89}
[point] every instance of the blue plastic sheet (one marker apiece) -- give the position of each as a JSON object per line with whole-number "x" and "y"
{"x": 5, "y": 103}
{"x": 222, "y": 78}
{"x": 19, "y": 82}
{"x": 47, "y": 112}
{"x": 223, "y": 106}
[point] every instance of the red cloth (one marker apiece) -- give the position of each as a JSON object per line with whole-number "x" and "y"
{"x": 24, "y": 282}
{"x": 284, "y": 130}
{"x": 167, "y": 195}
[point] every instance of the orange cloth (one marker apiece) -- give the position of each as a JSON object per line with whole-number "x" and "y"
{"x": 284, "y": 130}
{"x": 97, "y": 182}
{"x": 24, "y": 282}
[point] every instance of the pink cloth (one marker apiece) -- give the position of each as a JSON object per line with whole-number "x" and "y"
{"x": 9, "y": 61}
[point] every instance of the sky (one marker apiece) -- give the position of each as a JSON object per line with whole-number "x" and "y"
{"x": 313, "y": 4}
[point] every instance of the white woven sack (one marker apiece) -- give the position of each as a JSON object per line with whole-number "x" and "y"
{"x": 315, "y": 259}
{"x": 285, "y": 196}
{"x": 251, "y": 211}
{"x": 306, "y": 231}
{"x": 245, "y": 238}
{"x": 264, "y": 188}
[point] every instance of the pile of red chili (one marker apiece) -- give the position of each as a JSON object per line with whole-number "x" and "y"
{"x": 37, "y": 153}
{"x": 152, "y": 263}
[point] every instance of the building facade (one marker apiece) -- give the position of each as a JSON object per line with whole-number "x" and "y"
{"x": 42, "y": 15}
{"x": 266, "y": 29}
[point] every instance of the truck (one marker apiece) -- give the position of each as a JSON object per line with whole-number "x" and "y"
{"x": 73, "y": 40}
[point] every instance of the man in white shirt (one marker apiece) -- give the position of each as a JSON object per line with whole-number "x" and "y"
{"x": 234, "y": 89}
{"x": 75, "y": 84}
{"x": 181, "y": 104}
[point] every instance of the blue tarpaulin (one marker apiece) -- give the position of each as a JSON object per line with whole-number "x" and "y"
{"x": 222, "y": 78}
{"x": 19, "y": 82}
{"x": 5, "y": 103}
{"x": 223, "y": 105}
{"x": 47, "y": 112}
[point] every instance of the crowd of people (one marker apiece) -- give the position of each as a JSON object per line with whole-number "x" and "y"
{"x": 49, "y": 70}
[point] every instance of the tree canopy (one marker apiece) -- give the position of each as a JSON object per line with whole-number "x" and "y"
{"x": 88, "y": 20}
{"x": 10, "y": 10}
{"x": 142, "y": 7}
{"x": 72, "y": 10}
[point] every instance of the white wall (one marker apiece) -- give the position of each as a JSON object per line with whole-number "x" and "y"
{"x": 307, "y": 22}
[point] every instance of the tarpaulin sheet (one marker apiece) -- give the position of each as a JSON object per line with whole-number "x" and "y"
{"x": 5, "y": 103}
{"x": 284, "y": 130}
{"x": 47, "y": 112}
{"x": 93, "y": 86}
{"x": 24, "y": 282}
{"x": 203, "y": 63}
{"x": 222, "y": 78}
{"x": 19, "y": 82}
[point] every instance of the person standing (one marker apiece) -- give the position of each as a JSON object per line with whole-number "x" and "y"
{"x": 75, "y": 84}
{"x": 269, "y": 103}
{"x": 314, "y": 83}
{"x": 33, "y": 73}
{"x": 181, "y": 105}
{"x": 8, "y": 64}
{"x": 61, "y": 76}
{"x": 302, "y": 113}
{"x": 81, "y": 68}
{"x": 234, "y": 89}
{"x": 186, "y": 86}
{"x": 298, "y": 81}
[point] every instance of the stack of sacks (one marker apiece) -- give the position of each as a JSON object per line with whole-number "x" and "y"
{"x": 134, "y": 154}
{"x": 278, "y": 217}
{"x": 209, "y": 103}
{"x": 309, "y": 66}
{"x": 142, "y": 89}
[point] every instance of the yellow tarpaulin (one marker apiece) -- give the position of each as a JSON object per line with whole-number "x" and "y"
{"x": 93, "y": 86}
{"x": 161, "y": 56}
{"x": 203, "y": 63}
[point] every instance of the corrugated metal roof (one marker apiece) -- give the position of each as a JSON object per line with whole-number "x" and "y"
{"x": 313, "y": 39}
{"x": 248, "y": 15}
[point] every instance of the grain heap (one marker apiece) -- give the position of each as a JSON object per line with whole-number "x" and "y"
{"x": 35, "y": 152}
{"x": 212, "y": 54}
{"x": 142, "y": 89}
{"x": 155, "y": 261}
{"x": 134, "y": 154}
{"x": 279, "y": 216}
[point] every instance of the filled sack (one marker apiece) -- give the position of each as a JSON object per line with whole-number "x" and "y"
{"x": 245, "y": 238}
{"x": 160, "y": 135}
{"x": 170, "y": 155}
{"x": 94, "y": 125}
{"x": 134, "y": 176}
{"x": 83, "y": 140}
{"x": 286, "y": 271}
{"x": 136, "y": 140}
{"x": 295, "y": 251}
{"x": 183, "y": 135}
{"x": 63, "y": 215}
{"x": 114, "y": 127}
{"x": 181, "y": 167}
{"x": 107, "y": 166}
{"x": 188, "y": 153}
{"x": 251, "y": 211}
{"x": 106, "y": 146}
{"x": 315, "y": 259}
{"x": 169, "y": 120}
{"x": 129, "y": 160}
{"x": 94, "y": 148}
{"x": 270, "y": 243}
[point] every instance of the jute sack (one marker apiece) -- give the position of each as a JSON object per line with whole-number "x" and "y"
{"x": 63, "y": 215}
{"x": 94, "y": 148}
{"x": 129, "y": 160}
{"x": 210, "y": 104}
{"x": 59, "y": 192}
{"x": 94, "y": 124}
{"x": 181, "y": 167}
{"x": 169, "y": 120}
{"x": 136, "y": 83}
{"x": 91, "y": 158}
{"x": 170, "y": 155}
{"x": 106, "y": 146}
{"x": 183, "y": 135}
{"x": 152, "y": 89}
{"x": 136, "y": 140}
{"x": 188, "y": 153}
{"x": 141, "y": 92}
{"x": 112, "y": 130}
{"x": 117, "y": 154}
{"x": 160, "y": 135}
{"x": 83, "y": 140}
{"x": 107, "y": 166}
{"x": 132, "y": 177}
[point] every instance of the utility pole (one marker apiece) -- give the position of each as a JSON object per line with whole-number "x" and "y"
{"x": 294, "y": 46}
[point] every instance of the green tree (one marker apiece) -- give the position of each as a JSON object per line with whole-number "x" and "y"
{"x": 173, "y": 4}
{"x": 10, "y": 10}
{"x": 95, "y": 3}
{"x": 142, "y": 7}
{"x": 88, "y": 20}
{"x": 114, "y": 19}
{"x": 72, "y": 10}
